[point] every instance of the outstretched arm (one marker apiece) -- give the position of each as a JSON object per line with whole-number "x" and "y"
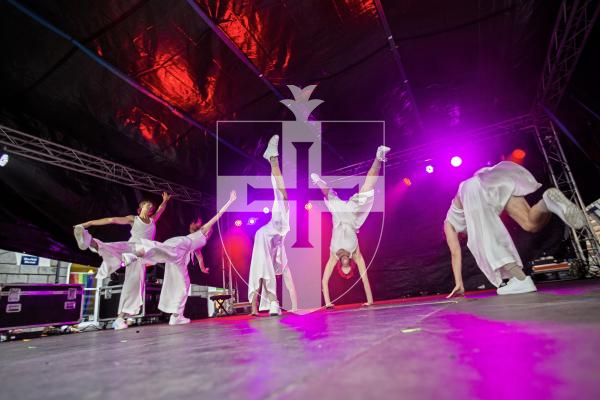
{"x": 206, "y": 227}
{"x": 128, "y": 220}
{"x": 163, "y": 205}
{"x": 455, "y": 252}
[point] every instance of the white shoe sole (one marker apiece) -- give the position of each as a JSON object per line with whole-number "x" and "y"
{"x": 556, "y": 202}
{"x": 78, "y": 232}
{"x": 381, "y": 153}
{"x": 272, "y": 150}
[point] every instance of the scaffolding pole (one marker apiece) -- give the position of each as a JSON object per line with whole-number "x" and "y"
{"x": 34, "y": 148}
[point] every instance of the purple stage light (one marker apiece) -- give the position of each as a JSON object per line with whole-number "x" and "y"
{"x": 456, "y": 161}
{"x": 429, "y": 169}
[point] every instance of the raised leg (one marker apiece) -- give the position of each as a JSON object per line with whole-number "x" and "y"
{"x": 531, "y": 219}
{"x": 276, "y": 172}
{"x": 372, "y": 176}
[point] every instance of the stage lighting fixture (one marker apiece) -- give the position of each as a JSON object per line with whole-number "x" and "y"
{"x": 429, "y": 169}
{"x": 308, "y": 206}
{"x": 238, "y": 222}
{"x": 266, "y": 210}
{"x": 407, "y": 181}
{"x": 251, "y": 221}
{"x": 456, "y": 161}
{"x": 3, "y": 159}
{"x": 519, "y": 154}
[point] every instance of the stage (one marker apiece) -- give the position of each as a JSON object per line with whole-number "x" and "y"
{"x": 542, "y": 345}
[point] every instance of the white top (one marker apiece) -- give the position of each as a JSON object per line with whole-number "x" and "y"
{"x": 348, "y": 217}
{"x": 142, "y": 230}
{"x": 483, "y": 199}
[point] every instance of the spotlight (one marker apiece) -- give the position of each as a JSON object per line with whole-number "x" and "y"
{"x": 407, "y": 181}
{"x": 266, "y": 210}
{"x": 308, "y": 206}
{"x": 519, "y": 154}
{"x": 429, "y": 169}
{"x": 3, "y": 159}
{"x": 456, "y": 161}
{"x": 238, "y": 222}
{"x": 251, "y": 221}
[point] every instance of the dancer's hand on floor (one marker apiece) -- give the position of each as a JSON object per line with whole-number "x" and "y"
{"x": 459, "y": 290}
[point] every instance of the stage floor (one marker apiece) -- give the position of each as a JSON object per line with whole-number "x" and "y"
{"x": 544, "y": 345}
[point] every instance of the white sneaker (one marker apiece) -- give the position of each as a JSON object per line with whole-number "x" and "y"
{"x": 82, "y": 236}
{"x": 381, "y": 152}
{"x": 274, "y": 309}
{"x": 317, "y": 179}
{"x": 558, "y": 204}
{"x": 119, "y": 324}
{"x": 272, "y": 149}
{"x": 180, "y": 320}
{"x": 515, "y": 286}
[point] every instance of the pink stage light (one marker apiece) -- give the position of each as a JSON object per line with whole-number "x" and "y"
{"x": 308, "y": 206}
{"x": 429, "y": 169}
{"x": 456, "y": 161}
{"x": 238, "y": 222}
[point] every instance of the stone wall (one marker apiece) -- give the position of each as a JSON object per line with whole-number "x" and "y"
{"x": 12, "y": 272}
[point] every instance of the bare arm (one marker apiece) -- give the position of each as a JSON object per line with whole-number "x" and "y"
{"x": 200, "y": 259}
{"x": 325, "y": 281}
{"x": 128, "y": 220}
{"x": 206, "y": 227}
{"x": 162, "y": 206}
{"x": 455, "y": 252}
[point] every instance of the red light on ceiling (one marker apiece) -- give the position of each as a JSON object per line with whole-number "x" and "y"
{"x": 519, "y": 154}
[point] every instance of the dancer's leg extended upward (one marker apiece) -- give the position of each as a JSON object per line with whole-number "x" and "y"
{"x": 268, "y": 256}
{"x": 341, "y": 213}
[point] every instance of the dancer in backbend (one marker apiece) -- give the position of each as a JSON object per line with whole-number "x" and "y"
{"x": 175, "y": 252}
{"x": 143, "y": 226}
{"x": 268, "y": 255}
{"x": 348, "y": 217}
{"x": 476, "y": 209}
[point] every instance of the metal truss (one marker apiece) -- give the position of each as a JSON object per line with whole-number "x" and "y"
{"x": 419, "y": 153}
{"x": 571, "y": 31}
{"x": 45, "y": 151}
{"x": 585, "y": 242}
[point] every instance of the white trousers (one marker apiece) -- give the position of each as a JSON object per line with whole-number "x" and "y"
{"x": 175, "y": 289}
{"x": 268, "y": 254}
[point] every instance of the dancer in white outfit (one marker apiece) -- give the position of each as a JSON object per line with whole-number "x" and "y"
{"x": 268, "y": 255}
{"x": 176, "y": 253}
{"x": 476, "y": 211}
{"x": 348, "y": 217}
{"x": 143, "y": 226}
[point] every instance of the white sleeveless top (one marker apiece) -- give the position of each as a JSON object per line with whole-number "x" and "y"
{"x": 141, "y": 230}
